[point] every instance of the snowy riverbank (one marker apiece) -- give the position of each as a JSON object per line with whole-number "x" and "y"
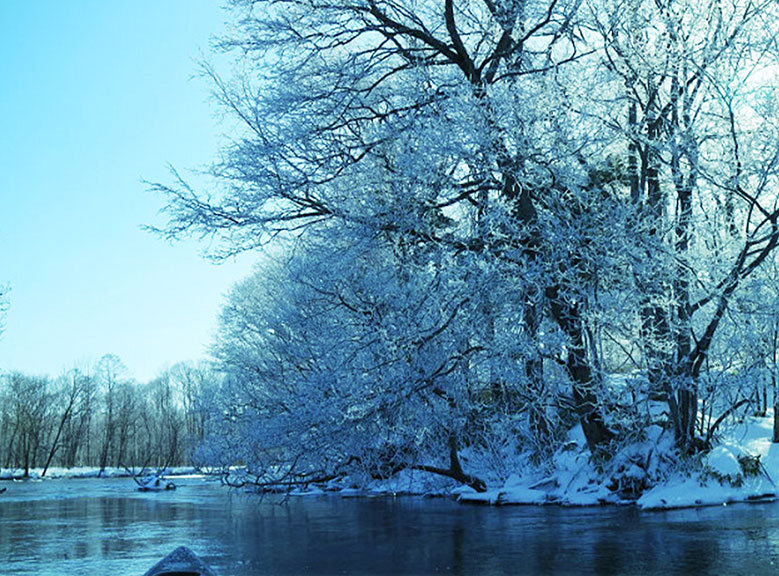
{"x": 742, "y": 467}
{"x": 88, "y": 472}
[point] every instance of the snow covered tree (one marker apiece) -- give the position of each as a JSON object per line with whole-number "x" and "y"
{"x": 694, "y": 78}
{"x": 484, "y": 199}
{"x": 437, "y": 124}
{"x": 347, "y": 361}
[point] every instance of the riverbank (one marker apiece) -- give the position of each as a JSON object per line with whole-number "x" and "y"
{"x": 647, "y": 473}
{"x": 89, "y": 472}
{"x": 742, "y": 467}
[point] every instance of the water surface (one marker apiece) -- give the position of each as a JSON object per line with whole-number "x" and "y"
{"x": 104, "y": 526}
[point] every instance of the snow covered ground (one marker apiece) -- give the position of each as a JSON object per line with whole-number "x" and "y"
{"x": 742, "y": 467}
{"x": 87, "y": 472}
{"x": 722, "y": 478}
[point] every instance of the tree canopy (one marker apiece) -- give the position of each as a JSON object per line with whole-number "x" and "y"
{"x": 486, "y": 210}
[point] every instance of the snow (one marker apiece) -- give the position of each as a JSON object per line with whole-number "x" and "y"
{"x": 684, "y": 492}
{"x": 721, "y": 479}
{"x": 716, "y": 478}
{"x": 91, "y": 472}
{"x": 573, "y": 482}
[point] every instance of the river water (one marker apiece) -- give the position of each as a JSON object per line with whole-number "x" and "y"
{"x": 92, "y": 526}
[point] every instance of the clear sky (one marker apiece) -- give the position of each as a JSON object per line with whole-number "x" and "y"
{"x": 96, "y": 96}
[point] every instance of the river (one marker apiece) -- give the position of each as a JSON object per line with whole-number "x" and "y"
{"x": 93, "y": 526}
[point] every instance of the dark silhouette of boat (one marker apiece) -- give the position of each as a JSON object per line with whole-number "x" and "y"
{"x": 181, "y": 562}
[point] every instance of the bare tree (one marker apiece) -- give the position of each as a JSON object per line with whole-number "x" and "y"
{"x": 110, "y": 373}
{"x": 29, "y": 409}
{"x": 69, "y": 402}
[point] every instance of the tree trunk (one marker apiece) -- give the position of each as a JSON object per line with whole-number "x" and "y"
{"x": 56, "y": 441}
{"x": 534, "y": 372}
{"x": 568, "y": 317}
{"x": 775, "y": 437}
{"x": 775, "y": 341}
{"x": 455, "y": 470}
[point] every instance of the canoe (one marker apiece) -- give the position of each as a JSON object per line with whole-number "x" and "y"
{"x": 181, "y": 562}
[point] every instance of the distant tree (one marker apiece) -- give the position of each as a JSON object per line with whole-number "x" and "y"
{"x": 68, "y": 401}
{"x": 101, "y": 420}
{"x": 110, "y": 374}
{"x": 29, "y": 407}
{"x": 78, "y": 432}
{"x": 192, "y": 384}
{"x": 163, "y": 423}
{"x": 129, "y": 416}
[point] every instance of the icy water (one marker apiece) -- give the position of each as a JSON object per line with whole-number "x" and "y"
{"x": 73, "y": 527}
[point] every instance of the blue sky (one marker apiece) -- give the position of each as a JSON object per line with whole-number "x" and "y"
{"x": 96, "y": 96}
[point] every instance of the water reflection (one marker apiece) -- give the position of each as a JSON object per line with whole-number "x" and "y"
{"x": 104, "y": 526}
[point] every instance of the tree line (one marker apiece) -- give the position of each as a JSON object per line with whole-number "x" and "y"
{"x": 100, "y": 417}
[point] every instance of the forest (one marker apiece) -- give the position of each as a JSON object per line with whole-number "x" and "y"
{"x": 487, "y": 228}
{"x": 99, "y": 417}
{"x": 489, "y": 223}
